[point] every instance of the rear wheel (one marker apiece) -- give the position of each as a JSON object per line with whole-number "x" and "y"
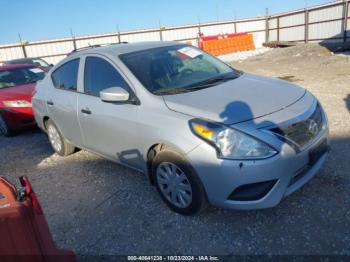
{"x": 5, "y": 130}
{"x": 58, "y": 143}
{"x": 177, "y": 183}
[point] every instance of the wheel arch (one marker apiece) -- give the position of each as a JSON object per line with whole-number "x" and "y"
{"x": 45, "y": 118}
{"x": 154, "y": 150}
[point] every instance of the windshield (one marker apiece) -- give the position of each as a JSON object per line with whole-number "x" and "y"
{"x": 31, "y": 61}
{"x": 20, "y": 76}
{"x": 177, "y": 69}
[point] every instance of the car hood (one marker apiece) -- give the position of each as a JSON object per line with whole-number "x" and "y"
{"x": 242, "y": 99}
{"x": 17, "y": 92}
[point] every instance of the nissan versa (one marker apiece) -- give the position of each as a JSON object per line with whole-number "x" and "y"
{"x": 201, "y": 130}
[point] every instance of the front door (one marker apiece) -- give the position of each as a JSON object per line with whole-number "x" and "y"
{"x": 108, "y": 128}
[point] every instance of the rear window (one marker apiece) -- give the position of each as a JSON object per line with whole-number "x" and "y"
{"x": 20, "y": 76}
{"x": 66, "y": 76}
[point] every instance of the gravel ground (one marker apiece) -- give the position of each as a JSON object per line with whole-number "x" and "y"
{"x": 94, "y": 206}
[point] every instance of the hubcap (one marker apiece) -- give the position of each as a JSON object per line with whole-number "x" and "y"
{"x": 174, "y": 184}
{"x": 55, "y": 138}
{"x": 3, "y": 126}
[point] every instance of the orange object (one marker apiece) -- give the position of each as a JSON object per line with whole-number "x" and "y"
{"x": 225, "y": 44}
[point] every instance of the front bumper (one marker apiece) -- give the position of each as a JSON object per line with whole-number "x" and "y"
{"x": 287, "y": 172}
{"x": 18, "y": 118}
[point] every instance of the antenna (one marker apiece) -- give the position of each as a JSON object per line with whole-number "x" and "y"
{"x": 73, "y": 38}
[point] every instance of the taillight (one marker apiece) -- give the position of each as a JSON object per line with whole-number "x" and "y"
{"x": 31, "y": 194}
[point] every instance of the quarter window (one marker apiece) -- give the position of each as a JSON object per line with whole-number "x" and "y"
{"x": 99, "y": 75}
{"x": 66, "y": 76}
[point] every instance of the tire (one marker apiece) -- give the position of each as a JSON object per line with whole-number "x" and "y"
{"x": 57, "y": 141}
{"x": 192, "y": 198}
{"x": 5, "y": 130}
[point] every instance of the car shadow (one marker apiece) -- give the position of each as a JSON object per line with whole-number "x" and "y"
{"x": 132, "y": 157}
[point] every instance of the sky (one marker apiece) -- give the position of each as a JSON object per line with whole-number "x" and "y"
{"x": 50, "y": 19}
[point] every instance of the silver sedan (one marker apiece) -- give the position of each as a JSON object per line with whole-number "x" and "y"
{"x": 200, "y": 130}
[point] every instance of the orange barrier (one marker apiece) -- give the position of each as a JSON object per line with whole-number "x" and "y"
{"x": 228, "y": 44}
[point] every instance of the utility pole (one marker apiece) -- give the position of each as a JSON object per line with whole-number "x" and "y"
{"x": 73, "y": 39}
{"x": 346, "y": 12}
{"x": 118, "y": 31}
{"x": 199, "y": 33}
{"x": 235, "y": 22}
{"x": 160, "y": 30}
{"x": 199, "y": 27}
{"x": 20, "y": 38}
{"x": 22, "y": 45}
{"x": 267, "y": 27}
{"x": 306, "y": 24}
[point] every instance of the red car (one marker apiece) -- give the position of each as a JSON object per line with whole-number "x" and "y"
{"x": 17, "y": 83}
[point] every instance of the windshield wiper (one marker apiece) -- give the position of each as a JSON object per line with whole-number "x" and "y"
{"x": 210, "y": 82}
{"x": 171, "y": 91}
{"x": 201, "y": 85}
{"x": 31, "y": 80}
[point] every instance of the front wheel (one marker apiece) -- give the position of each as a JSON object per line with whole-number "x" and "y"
{"x": 58, "y": 143}
{"x": 5, "y": 130}
{"x": 177, "y": 183}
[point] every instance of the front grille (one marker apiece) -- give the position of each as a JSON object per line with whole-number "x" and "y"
{"x": 302, "y": 133}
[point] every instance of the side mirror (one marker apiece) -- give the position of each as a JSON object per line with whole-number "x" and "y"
{"x": 114, "y": 94}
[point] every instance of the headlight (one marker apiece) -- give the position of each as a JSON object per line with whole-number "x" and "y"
{"x": 17, "y": 103}
{"x": 230, "y": 143}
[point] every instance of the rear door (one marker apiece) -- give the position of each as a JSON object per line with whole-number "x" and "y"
{"x": 108, "y": 128}
{"x": 62, "y": 100}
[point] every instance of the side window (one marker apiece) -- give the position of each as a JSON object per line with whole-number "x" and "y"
{"x": 100, "y": 74}
{"x": 66, "y": 76}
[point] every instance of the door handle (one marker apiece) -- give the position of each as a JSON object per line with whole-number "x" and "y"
{"x": 50, "y": 103}
{"x": 86, "y": 111}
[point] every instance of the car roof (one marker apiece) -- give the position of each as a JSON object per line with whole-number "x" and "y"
{"x": 124, "y": 48}
{"x": 15, "y": 66}
{"x": 19, "y": 60}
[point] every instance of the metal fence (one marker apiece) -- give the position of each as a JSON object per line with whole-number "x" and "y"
{"x": 328, "y": 22}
